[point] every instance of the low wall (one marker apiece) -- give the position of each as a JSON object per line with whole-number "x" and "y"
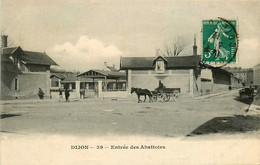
{"x": 55, "y": 95}
{"x": 118, "y": 94}
{"x": 208, "y": 88}
{"x": 220, "y": 88}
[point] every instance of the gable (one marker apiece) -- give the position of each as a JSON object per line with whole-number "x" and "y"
{"x": 160, "y": 58}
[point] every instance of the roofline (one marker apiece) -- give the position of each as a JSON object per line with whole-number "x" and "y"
{"x": 16, "y": 49}
{"x": 160, "y": 57}
{"x": 42, "y": 53}
{"x": 145, "y": 68}
{"x": 40, "y": 64}
{"x": 95, "y": 70}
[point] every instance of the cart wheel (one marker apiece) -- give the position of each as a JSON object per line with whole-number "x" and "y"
{"x": 154, "y": 98}
{"x": 166, "y": 97}
{"x": 176, "y": 96}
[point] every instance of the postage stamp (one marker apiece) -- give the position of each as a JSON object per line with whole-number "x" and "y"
{"x": 219, "y": 40}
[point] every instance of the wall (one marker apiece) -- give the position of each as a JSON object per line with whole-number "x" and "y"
{"x": 37, "y": 68}
{"x": 56, "y": 95}
{"x": 209, "y": 87}
{"x": 7, "y": 81}
{"x": 256, "y": 76}
{"x": 218, "y": 81}
{"x": 250, "y": 79}
{"x": 220, "y": 77}
{"x": 7, "y": 85}
{"x": 54, "y": 81}
{"x": 206, "y": 87}
{"x": 114, "y": 94}
{"x": 216, "y": 88}
{"x": 236, "y": 83}
{"x": 29, "y": 83}
{"x": 197, "y": 85}
{"x": 171, "y": 79}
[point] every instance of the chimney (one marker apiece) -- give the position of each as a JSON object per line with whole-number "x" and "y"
{"x": 195, "y": 47}
{"x": 4, "y": 41}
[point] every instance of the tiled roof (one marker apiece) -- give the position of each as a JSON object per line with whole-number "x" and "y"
{"x": 28, "y": 57}
{"x": 31, "y": 57}
{"x": 220, "y": 70}
{"x": 72, "y": 77}
{"x": 147, "y": 62}
{"x": 8, "y": 50}
{"x": 108, "y": 74}
{"x": 58, "y": 75}
{"x": 112, "y": 68}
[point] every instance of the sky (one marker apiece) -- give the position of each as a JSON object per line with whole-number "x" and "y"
{"x": 82, "y": 35}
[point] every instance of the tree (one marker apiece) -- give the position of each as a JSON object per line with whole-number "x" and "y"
{"x": 175, "y": 47}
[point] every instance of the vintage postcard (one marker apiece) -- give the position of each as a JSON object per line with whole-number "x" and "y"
{"x": 129, "y": 82}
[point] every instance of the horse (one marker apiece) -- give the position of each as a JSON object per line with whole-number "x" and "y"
{"x": 142, "y": 92}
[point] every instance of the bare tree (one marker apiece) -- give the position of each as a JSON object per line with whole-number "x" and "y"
{"x": 175, "y": 47}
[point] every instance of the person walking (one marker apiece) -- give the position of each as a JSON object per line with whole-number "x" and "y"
{"x": 67, "y": 95}
{"x": 60, "y": 94}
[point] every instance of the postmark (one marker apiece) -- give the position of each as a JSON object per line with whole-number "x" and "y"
{"x": 220, "y": 41}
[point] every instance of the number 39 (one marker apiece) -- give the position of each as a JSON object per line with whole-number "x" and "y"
{"x": 99, "y": 147}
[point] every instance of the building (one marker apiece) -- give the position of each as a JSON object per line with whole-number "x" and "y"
{"x": 175, "y": 72}
{"x": 256, "y": 75}
{"x": 215, "y": 80}
{"x": 86, "y": 84}
{"x": 111, "y": 81}
{"x": 186, "y": 73}
{"x": 23, "y": 72}
{"x": 245, "y": 75}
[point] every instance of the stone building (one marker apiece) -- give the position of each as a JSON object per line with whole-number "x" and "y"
{"x": 256, "y": 75}
{"x": 23, "y": 72}
{"x": 186, "y": 73}
{"x": 245, "y": 75}
{"x": 174, "y": 72}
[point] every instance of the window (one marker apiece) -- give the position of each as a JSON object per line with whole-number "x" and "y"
{"x": 159, "y": 66}
{"x": 16, "y": 84}
{"x": 73, "y": 85}
{"x": 91, "y": 85}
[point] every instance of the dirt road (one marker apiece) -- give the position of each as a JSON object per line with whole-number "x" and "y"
{"x": 92, "y": 117}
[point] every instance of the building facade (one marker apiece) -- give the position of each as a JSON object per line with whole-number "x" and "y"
{"x": 23, "y": 72}
{"x": 174, "y": 72}
{"x": 86, "y": 84}
{"x": 256, "y": 75}
{"x": 245, "y": 75}
{"x": 186, "y": 73}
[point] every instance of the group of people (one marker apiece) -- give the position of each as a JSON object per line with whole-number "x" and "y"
{"x": 67, "y": 94}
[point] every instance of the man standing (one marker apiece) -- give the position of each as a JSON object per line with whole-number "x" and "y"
{"x": 60, "y": 94}
{"x": 67, "y": 94}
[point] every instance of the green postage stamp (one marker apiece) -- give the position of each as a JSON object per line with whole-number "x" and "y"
{"x": 219, "y": 40}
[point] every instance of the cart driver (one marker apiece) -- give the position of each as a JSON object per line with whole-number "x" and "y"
{"x": 160, "y": 88}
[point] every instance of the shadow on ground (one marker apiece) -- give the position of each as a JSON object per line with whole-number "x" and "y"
{"x": 245, "y": 101}
{"x": 8, "y": 115}
{"x": 234, "y": 124}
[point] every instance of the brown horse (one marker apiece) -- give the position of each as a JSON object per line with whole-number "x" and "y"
{"x": 142, "y": 92}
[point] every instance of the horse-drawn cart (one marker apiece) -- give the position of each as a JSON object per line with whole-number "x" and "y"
{"x": 166, "y": 94}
